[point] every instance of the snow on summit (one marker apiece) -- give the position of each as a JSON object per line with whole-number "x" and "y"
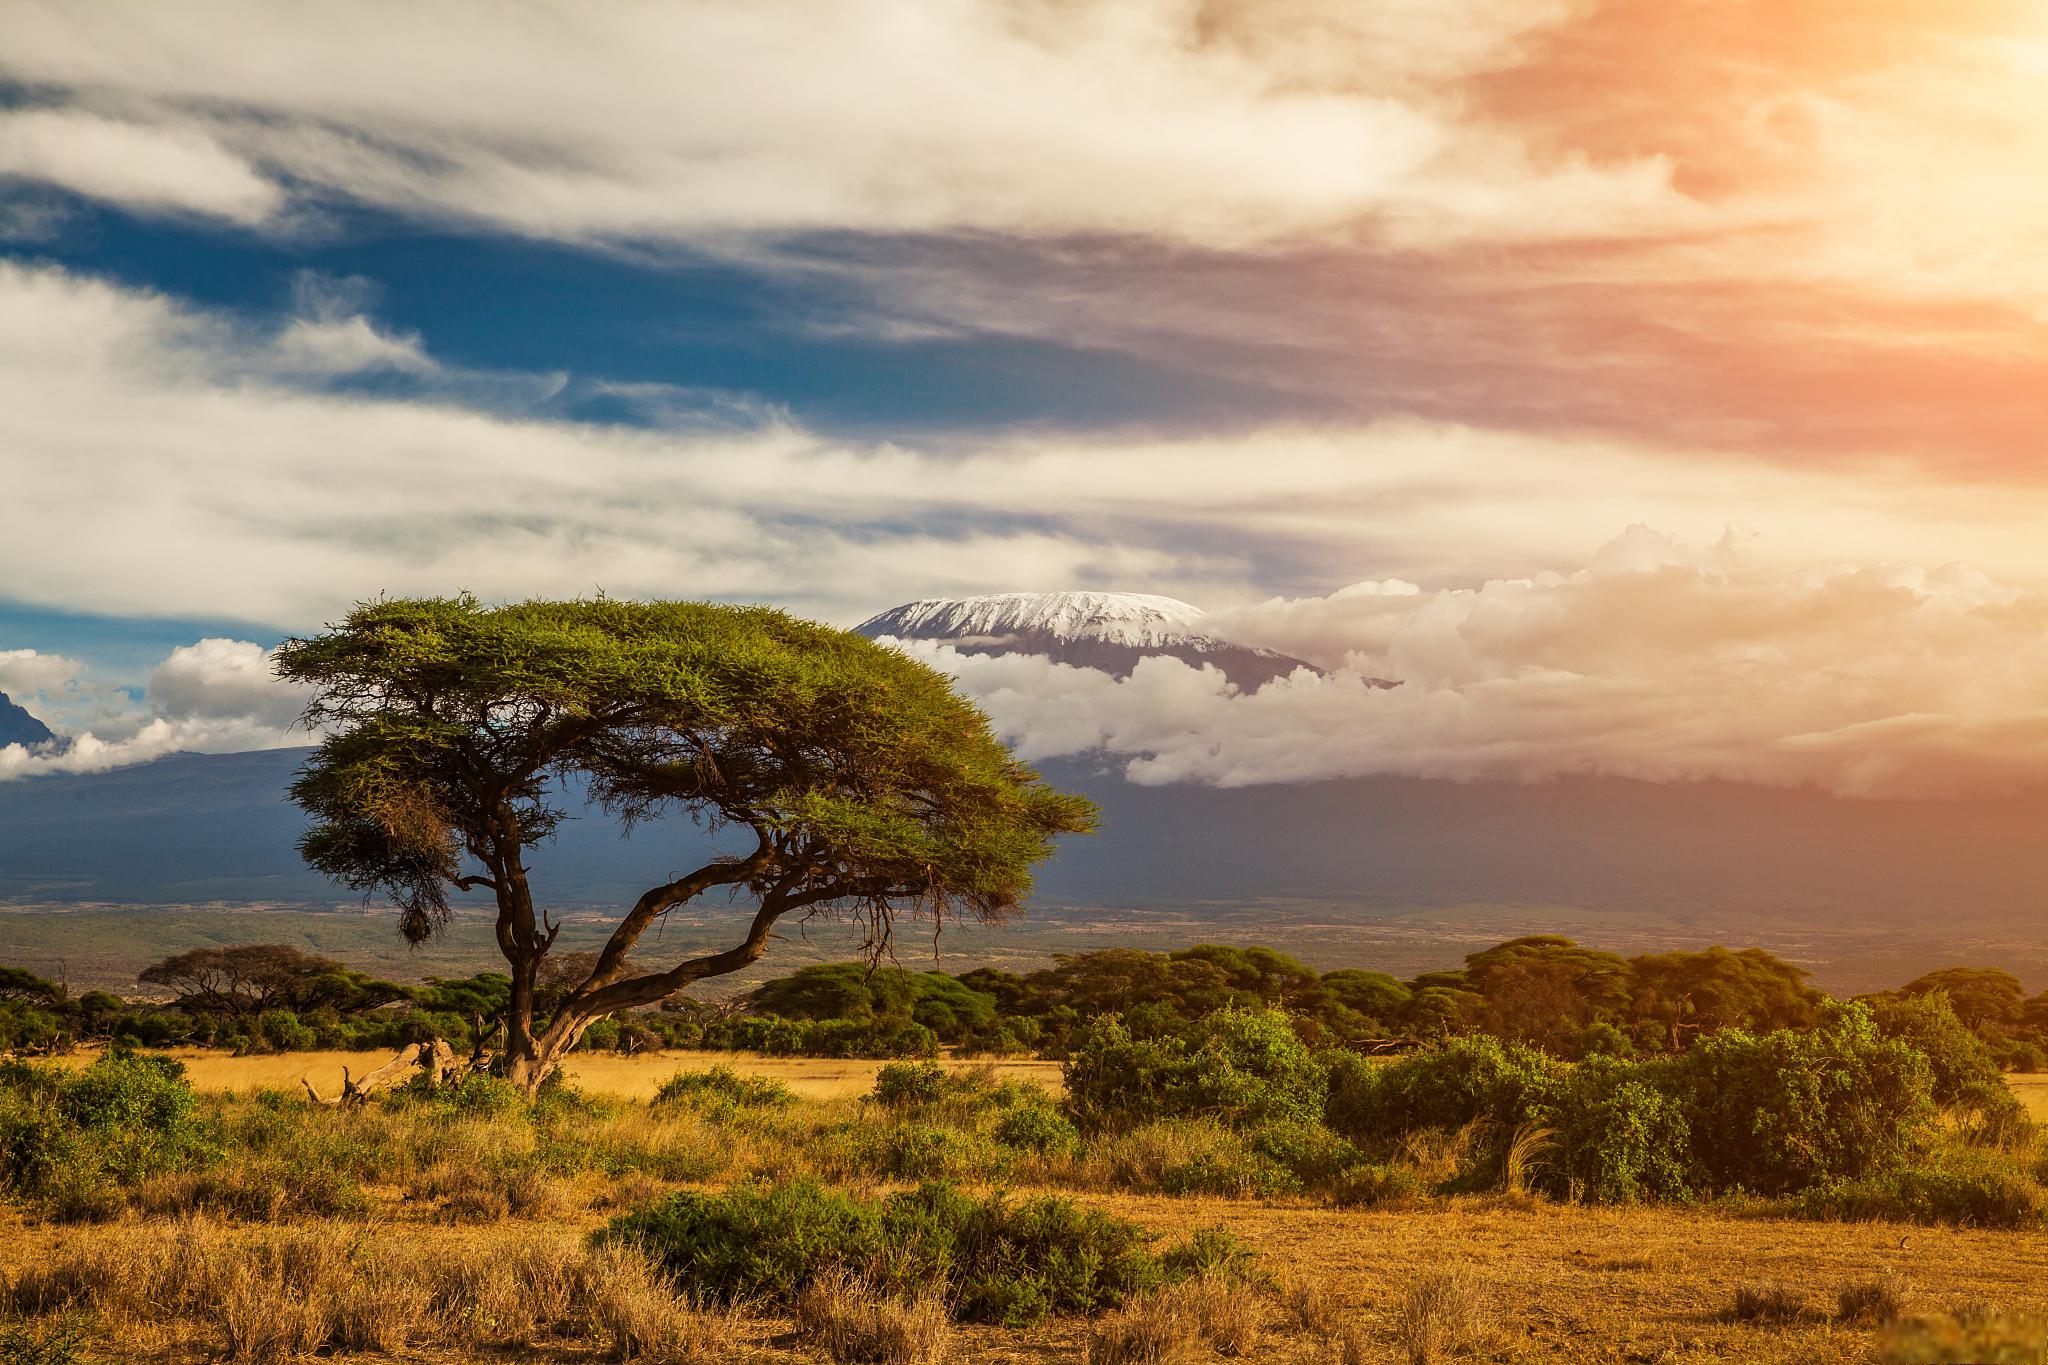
{"x": 1110, "y": 631}
{"x": 1125, "y": 618}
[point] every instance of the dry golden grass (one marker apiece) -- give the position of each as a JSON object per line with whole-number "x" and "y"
{"x": 1440, "y": 1313}
{"x": 599, "y": 1073}
{"x": 855, "y": 1325}
{"x": 1568, "y": 1284}
{"x": 2033, "y": 1092}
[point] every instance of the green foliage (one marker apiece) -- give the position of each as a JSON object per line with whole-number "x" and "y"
{"x": 1241, "y": 1067}
{"x": 722, "y": 1087}
{"x": 904, "y": 1085}
{"x": 74, "y": 1140}
{"x": 62, "y": 1342}
{"x": 1188, "y": 1156}
{"x": 1789, "y": 1109}
{"x": 996, "y": 1260}
{"x": 1620, "y": 1132}
{"x": 1037, "y": 1128}
{"x": 449, "y": 719}
{"x": 1965, "y": 1078}
{"x": 476, "y": 1094}
{"x": 1445, "y": 1087}
{"x": 1980, "y": 1194}
{"x": 853, "y": 991}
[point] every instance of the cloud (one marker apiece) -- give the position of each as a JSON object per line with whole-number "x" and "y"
{"x": 26, "y": 671}
{"x": 214, "y": 483}
{"x": 212, "y": 696}
{"x": 148, "y": 167}
{"x": 1231, "y": 123}
{"x": 1653, "y": 662}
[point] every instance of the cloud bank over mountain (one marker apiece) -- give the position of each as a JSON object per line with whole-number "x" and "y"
{"x": 1654, "y": 662}
{"x": 212, "y": 696}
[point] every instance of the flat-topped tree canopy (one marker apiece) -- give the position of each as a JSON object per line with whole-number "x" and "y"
{"x": 868, "y": 785}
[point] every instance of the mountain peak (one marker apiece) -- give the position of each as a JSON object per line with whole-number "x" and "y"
{"x": 1109, "y": 631}
{"x": 1125, "y": 618}
{"x": 19, "y": 727}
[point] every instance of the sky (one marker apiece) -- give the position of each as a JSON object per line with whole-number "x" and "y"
{"x": 1653, "y": 387}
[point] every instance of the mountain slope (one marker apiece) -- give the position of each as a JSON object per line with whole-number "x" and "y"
{"x": 19, "y": 727}
{"x": 1110, "y": 631}
{"x": 1702, "y": 856}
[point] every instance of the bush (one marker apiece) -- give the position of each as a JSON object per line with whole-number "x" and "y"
{"x": 1988, "y": 1196}
{"x": 1309, "y": 1152}
{"x": 1037, "y": 1128}
{"x": 1475, "y": 1078}
{"x": 1620, "y": 1133}
{"x": 901, "y": 1085}
{"x": 994, "y": 1260}
{"x": 1964, "y": 1077}
{"x": 1186, "y": 1156}
{"x": 1240, "y": 1067}
{"x": 77, "y": 1140}
{"x": 722, "y": 1087}
{"x": 1782, "y": 1112}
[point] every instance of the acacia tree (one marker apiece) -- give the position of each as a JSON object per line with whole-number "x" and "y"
{"x": 866, "y": 786}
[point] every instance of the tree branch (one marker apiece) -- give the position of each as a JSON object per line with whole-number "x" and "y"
{"x": 611, "y": 963}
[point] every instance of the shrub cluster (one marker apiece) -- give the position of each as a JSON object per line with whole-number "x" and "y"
{"x": 1844, "y": 1114}
{"x": 73, "y": 1140}
{"x": 995, "y": 1259}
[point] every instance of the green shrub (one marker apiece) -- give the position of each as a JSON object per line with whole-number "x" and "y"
{"x": 1983, "y": 1196}
{"x": 1240, "y": 1067}
{"x": 902, "y": 1085}
{"x": 1781, "y": 1112}
{"x": 1037, "y": 1128}
{"x": 1964, "y": 1077}
{"x": 1308, "y": 1151}
{"x": 54, "y": 1343}
{"x": 1620, "y": 1134}
{"x": 721, "y": 1086}
{"x": 76, "y": 1141}
{"x": 1186, "y": 1156}
{"x": 476, "y": 1095}
{"x": 1447, "y": 1087}
{"x": 996, "y": 1261}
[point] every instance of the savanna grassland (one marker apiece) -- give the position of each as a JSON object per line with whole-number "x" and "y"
{"x": 218, "y": 1215}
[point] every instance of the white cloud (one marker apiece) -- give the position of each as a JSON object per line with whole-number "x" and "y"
{"x": 213, "y": 696}
{"x": 1864, "y": 681}
{"x": 162, "y": 463}
{"x": 1197, "y": 122}
{"x": 151, "y": 167}
{"x": 24, "y": 672}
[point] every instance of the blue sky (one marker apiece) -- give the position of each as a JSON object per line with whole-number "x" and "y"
{"x": 1391, "y": 335}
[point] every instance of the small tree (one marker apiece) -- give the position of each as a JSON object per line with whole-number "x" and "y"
{"x": 866, "y": 786}
{"x": 244, "y": 980}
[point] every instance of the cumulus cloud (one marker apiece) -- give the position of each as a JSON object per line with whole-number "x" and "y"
{"x": 1653, "y": 662}
{"x": 212, "y": 696}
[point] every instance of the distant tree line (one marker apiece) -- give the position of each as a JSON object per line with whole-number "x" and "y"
{"x": 1542, "y": 991}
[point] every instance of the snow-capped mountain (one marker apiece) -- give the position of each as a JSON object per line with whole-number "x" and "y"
{"x": 1110, "y": 631}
